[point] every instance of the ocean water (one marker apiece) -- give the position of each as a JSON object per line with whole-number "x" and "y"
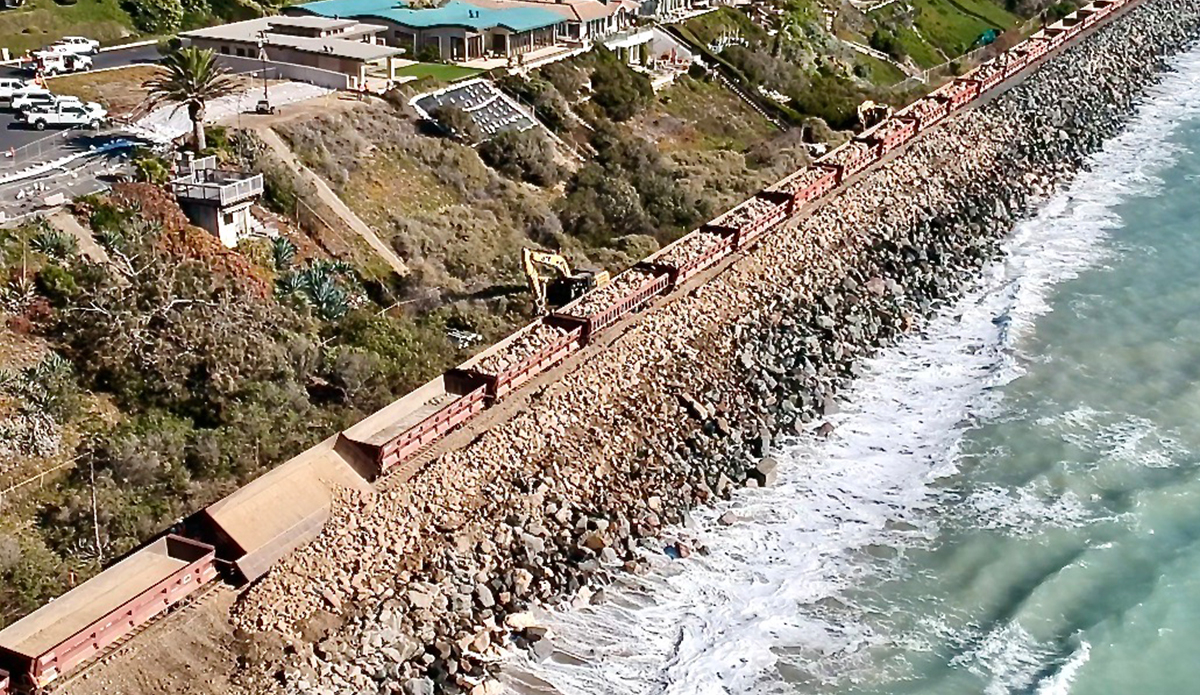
{"x": 1010, "y": 502}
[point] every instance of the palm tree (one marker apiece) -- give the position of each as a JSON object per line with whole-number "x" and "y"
{"x": 192, "y": 79}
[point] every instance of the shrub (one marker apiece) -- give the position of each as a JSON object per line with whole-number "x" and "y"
{"x": 617, "y": 89}
{"x": 567, "y": 79}
{"x": 283, "y": 253}
{"x": 155, "y": 16}
{"x": 526, "y": 156}
{"x": 429, "y": 53}
{"x": 1059, "y": 10}
{"x": 457, "y": 123}
{"x": 57, "y": 284}
{"x": 151, "y": 170}
{"x": 628, "y": 189}
{"x": 54, "y": 243}
{"x": 831, "y": 98}
{"x": 886, "y": 42}
{"x": 548, "y": 103}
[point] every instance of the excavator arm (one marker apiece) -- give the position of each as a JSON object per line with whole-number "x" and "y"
{"x": 533, "y": 260}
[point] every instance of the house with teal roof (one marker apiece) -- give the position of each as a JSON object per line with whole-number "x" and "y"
{"x": 464, "y": 30}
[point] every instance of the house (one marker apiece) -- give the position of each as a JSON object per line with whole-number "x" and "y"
{"x": 464, "y": 30}
{"x": 344, "y": 47}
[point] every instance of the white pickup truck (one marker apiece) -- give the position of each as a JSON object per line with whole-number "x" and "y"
{"x": 78, "y": 45}
{"x": 11, "y": 87}
{"x": 39, "y": 99}
{"x": 64, "y": 114}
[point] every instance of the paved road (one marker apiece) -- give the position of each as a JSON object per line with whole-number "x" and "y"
{"x": 107, "y": 59}
{"x": 15, "y": 136}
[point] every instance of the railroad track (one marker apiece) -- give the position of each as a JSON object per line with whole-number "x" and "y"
{"x": 164, "y": 623}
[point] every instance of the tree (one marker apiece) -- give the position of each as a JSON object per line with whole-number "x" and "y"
{"x": 192, "y": 79}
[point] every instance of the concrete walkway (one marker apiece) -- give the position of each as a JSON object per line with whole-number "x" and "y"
{"x": 327, "y": 196}
{"x": 66, "y": 222}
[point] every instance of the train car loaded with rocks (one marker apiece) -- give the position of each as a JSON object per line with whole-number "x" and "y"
{"x": 81, "y": 624}
{"x": 927, "y": 111}
{"x": 690, "y": 255}
{"x": 851, "y": 158}
{"x": 1094, "y": 12}
{"x": 251, "y": 530}
{"x": 1037, "y": 46}
{"x": 959, "y": 93}
{"x": 806, "y": 185}
{"x": 603, "y": 307}
{"x": 890, "y": 134}
{"x": 507, "y": 365}
{"x": 750, "y": 220}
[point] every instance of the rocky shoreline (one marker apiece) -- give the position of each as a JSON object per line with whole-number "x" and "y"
{"x": 419, "y": 588}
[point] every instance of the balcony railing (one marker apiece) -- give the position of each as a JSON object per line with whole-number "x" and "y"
{"x": 218, "y": 187}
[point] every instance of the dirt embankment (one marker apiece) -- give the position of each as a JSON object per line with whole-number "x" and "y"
{"x": 430, "y": 579}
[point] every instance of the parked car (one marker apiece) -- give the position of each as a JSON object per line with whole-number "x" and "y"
{"x": 11, "y": 87}
{"x": 79, "y": 45}
{"x": 41, "y": 98}
{"x": 59, "y": 63}
{"x": 65, "y": 115}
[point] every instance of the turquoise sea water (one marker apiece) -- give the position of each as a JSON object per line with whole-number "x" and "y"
{"x": 1010, "y": 502}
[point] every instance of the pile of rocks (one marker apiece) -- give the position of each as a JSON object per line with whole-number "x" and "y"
{"x": 689, "y": 249}
{"x": 752, "y": 211}
{"x": 525, "y": 345}
{"x": 847, "y": 155}
{"x": 434, "y": 578}
{"x": 599, "y": 300}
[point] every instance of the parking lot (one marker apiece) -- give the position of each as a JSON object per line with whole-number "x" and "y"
{"x": 19, "y": 143}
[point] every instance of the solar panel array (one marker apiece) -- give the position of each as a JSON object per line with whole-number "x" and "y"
{"x": 492, "y": 111}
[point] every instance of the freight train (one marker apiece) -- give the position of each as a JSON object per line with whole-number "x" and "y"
{"x": 239, "y": 538}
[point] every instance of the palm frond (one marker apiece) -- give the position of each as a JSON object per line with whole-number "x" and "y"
{"x": 191, "y": 77}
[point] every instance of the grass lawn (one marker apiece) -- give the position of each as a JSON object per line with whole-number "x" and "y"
{"x": 954, "y": 25}
{"x": 881, "y": 72}
{"x": 119, "y": 90}
{"x": 917, "y": 48}
{"x": 437, "y": 72}
{"x": 42, "y": 22}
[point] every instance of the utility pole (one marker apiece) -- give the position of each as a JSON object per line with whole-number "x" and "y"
{"x": 95, "y": 511}
{"x": 262, "y": 57}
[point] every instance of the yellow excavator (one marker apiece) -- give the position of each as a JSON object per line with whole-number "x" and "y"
{"x": 561, "y": 290}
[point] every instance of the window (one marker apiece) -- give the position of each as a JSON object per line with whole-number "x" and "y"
{"x": 225, "y": 50}
{"x": 228, "y": 218}
{"x": 241, "y": 52}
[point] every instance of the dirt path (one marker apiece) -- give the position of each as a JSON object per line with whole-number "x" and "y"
{"x": 66, "y": 222}
{"x": 327, "y": 196}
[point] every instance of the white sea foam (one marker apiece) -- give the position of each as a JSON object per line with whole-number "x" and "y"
{"x": 774, "y": 599}
{"x": 1061, "y": 681}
